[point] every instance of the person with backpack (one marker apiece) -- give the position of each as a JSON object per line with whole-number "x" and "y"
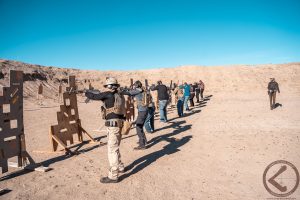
{"x": 140, "y": 95}
{"x": 163, "y": 97}
{"x": 114, "y": 104}
{"x": 273, "y": 87}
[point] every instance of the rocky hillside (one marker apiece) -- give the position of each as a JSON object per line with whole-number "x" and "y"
{"x": 247, "y": 78}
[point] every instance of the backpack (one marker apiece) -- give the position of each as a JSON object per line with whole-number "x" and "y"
{"x": 273, "y": 86}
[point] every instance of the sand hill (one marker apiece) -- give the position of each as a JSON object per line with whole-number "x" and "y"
{"x": 218, "y": 79}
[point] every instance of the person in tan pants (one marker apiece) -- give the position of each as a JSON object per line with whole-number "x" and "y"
{"x": 114, "y": 104}
{"x": 273, "y": 87}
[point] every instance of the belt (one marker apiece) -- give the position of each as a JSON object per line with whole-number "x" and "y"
{"x": 114, "y": 123}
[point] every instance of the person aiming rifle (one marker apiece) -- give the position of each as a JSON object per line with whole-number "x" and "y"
{"x": 140, "y": 95}
{"x": 163, "y": 97}
{"x": 114, "y": 120}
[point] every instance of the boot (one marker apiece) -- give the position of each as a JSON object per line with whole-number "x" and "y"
{"x": 139, "y": 148}
{"x": 108, "y": 180}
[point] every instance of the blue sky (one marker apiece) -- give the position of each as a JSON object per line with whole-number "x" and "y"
{"x": 140, "y": 34}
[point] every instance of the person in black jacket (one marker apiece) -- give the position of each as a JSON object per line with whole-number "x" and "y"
{"x": 163, "y": 97}
{"x": 114, "y": 104}
{"x": 273, "y": 87}
{"x": 193, "y": 90}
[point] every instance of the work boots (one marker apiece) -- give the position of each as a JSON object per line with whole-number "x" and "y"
{"x": 108, "y": 180}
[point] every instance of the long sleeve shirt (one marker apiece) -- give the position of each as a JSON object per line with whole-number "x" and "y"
{"x": 273, "y": 85}
{"x": 108, "y": 99}
{"x": 186, "y": 90}
{"x": 138, "y": 95}
{"x": 162, "y": 92}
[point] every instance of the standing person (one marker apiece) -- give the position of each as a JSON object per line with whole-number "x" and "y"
{"x": 197, "y": 91}
{"x": 115, "y": 115}
{"x": 180, "y": 99}
{"x": 163, "y": 98}
{"x": 186, "y": 93}
{"x": 273, "y": 87}
{"x": 202, "y": 87}
{"x": 192, "y": 95}
{"x": 149, "y": 122}
{"x": 140, "y": 94}
{"x": 173, "y": 95}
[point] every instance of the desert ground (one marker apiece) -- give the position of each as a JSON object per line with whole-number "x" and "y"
{"x": 218, "y": 150}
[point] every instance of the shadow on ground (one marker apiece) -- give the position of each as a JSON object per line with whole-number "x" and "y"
{"x": 148, "y": 159}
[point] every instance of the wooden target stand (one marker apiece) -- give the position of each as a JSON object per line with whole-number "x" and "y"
{"x": 69, "y": 123}
{"x": 130, "y": 112}
{"x": 12, "y": 137}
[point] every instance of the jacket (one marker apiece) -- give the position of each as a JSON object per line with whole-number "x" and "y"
{"x": 273, "y": 86}
{"x": 138, "y": 95}
{"x": 162, "y": 92}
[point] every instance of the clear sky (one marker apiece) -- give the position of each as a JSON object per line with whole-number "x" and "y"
{"x": 140, "y": 34}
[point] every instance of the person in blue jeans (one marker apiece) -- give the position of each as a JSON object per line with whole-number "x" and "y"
{"x": 178, "y": 91}
{"x": 180, "y": 106}
{"x": 163, "y": 97}
{"x": 149, "y": 122}
{"x": 163, "y": 110}
{"x": 186, "y": 95}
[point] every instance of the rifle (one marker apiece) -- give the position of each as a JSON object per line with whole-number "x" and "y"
{"x": 131, "y": 83}
{"x": 76, "y": 91}
{"x": 146, "y": 85}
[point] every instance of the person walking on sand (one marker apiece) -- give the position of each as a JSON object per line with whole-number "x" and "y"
{"x": 163, "y": 97}
{"x": 115, "y": 115}
{"x": 273, "y": 87}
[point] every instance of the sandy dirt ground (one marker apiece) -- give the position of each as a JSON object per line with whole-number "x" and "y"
{"x": 219, "y": 150}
